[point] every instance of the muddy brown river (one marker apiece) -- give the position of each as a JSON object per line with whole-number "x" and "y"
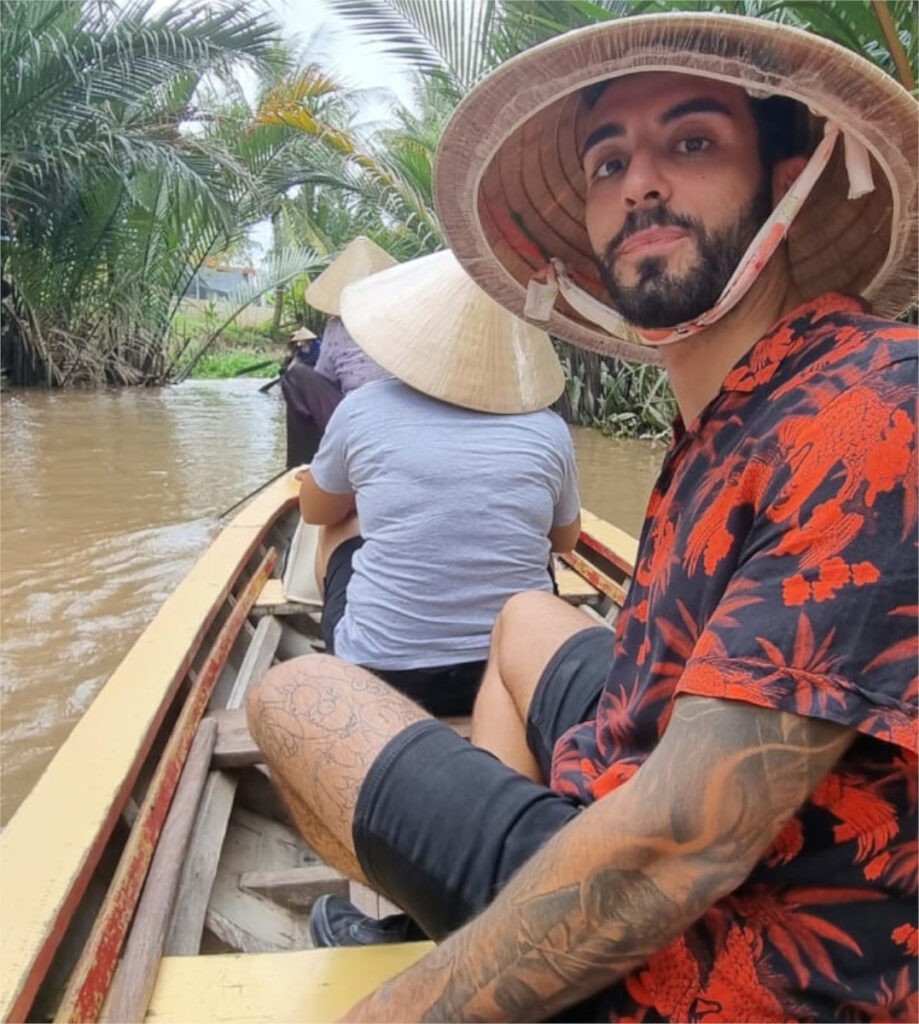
{"x": 107, "y": 498}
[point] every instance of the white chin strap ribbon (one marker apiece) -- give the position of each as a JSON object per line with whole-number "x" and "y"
{"x": 541, "y": 294}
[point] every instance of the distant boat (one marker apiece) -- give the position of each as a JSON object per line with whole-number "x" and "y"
{"x": 153, "y": 873}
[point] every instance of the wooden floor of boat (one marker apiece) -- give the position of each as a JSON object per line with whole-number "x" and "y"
{"x": 314, "y": 985}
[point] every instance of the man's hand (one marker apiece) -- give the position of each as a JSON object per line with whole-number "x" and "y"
{"x": 628, "y": 875}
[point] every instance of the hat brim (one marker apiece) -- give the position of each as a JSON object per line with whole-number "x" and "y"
{"x": 359, "y": 258}
{"x": 510, "y": 190}
{"x": 429, "y": 325}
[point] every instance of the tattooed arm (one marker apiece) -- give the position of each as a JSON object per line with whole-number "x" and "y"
{"x": 628, "y": 875}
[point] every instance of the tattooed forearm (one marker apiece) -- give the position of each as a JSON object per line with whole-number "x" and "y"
{"x": 628, "y": 875}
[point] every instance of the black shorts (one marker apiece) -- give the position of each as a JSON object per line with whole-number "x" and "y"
{"x": 443, "y": 690}
{"x": 440, "y": 825}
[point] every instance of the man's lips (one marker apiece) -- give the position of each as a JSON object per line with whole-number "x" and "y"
{"x": 652, "y": 238}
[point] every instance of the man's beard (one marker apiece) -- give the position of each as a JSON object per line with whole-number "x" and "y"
{"x": 658, "y": 299}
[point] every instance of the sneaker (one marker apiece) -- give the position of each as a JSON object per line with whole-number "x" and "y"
{"x": 334, "y": 921}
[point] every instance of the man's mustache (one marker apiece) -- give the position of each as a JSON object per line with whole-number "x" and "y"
{"x": 641, "y": 220}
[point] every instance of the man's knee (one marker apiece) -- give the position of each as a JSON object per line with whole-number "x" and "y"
{"x": 529, "y": 630}
{"x": 521, "y": 610}
{"x": 272, "y": 707}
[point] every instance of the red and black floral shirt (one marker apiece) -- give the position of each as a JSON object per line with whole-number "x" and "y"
{"x": 778, "y": 566}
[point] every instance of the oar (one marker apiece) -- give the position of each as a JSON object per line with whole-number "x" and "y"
{"x": 251, "y": 494}
{"x": 254, "y": 366}
{"x": 265, "y": 388}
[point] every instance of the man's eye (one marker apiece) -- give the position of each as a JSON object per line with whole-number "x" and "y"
{"x": 694, "y": 144}
{"x": 611, "y": 166}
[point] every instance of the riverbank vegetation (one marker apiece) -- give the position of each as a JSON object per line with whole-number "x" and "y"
{"x": 131, "y": 157}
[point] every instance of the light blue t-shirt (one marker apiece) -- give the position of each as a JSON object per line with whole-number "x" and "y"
{"x": 455, "y": 508}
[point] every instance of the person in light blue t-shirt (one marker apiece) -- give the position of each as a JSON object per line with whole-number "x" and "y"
{"x": 443, "y": 490}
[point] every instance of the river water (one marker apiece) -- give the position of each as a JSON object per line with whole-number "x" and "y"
{"x": 107, "y": 498}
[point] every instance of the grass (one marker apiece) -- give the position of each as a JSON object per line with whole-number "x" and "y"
{"x": 228, "y": 363}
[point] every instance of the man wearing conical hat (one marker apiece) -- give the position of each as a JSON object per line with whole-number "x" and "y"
{"x": 312, "y": 391}
{"x": 712, "y": 814}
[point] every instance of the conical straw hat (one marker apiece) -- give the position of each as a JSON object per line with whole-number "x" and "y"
{"x": 433, "y": 328}
{"x": 302, "y": 334}
{"x": 358, "y": 259}
{"x": 510, "y": 189}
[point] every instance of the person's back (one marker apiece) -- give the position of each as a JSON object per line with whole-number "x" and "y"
{"x": 455, "y": 508}
{"x": 343, "y": 362}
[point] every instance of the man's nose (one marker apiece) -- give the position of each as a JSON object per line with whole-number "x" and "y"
{"x": 645, "y": 183}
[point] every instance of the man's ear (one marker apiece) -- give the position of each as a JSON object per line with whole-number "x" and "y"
{"x": 784, "y": 172}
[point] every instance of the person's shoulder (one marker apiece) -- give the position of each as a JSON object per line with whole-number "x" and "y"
{"x": 861, "y": 336}
{"x": 549, "y": 419}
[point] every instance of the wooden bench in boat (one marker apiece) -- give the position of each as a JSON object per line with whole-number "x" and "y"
{"x": 315, "y": 985}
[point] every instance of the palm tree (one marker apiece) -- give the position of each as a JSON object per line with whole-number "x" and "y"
{"x": 115, "y": 183}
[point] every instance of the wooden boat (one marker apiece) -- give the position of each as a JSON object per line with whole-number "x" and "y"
{"x": 153, "y": 874}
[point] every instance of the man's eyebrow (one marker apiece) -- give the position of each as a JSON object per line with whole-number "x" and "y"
{"x": 611, "y": 130}
{"x": 697, "y": 105}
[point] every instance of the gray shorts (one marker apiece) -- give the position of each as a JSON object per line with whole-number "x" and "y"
{"x": 440, "y": 825}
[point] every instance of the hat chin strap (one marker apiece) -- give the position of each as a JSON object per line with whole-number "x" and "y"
{"x": 541, "y": 295}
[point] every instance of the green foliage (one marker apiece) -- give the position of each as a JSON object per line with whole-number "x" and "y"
{"x": 619, "y": 398}
{"x": 229, "y": 363}
{"x": 112, "y": 191}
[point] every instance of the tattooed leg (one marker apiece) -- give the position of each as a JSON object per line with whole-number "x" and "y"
{"x": 529, "y": 629}
{"x": 321, "y": 723}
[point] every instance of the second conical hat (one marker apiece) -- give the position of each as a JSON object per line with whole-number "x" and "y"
{"x": 431, "y": 326}
{"x": 358, "y": 259}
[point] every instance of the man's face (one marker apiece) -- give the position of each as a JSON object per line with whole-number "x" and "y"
{"x": 675, "y": 192}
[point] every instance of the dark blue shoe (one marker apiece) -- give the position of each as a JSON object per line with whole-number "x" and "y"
{"x": 335, "y": 921}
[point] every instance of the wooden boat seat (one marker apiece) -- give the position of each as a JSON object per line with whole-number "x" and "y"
{"x": 312, "y": 984}
{"x": 273, "y": 601}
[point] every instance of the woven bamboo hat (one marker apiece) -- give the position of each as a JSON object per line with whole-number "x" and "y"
{"x": 359, "y": 258}
{"x": 302, "y": 334}
{"x": 433, "y": 328}
{"x": 510, "y": 189}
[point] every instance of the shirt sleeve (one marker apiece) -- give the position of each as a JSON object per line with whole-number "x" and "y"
{"x": 819, "y": 617}
{"x": 330, "y": 463}
{"x": 568, "y": 505}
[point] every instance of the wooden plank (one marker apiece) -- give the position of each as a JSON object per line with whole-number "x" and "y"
{"x": 51, "y": 846}
{"x": 256, "y": 792}
{"x": 596, "y": 577}
{"x": 197, "y": 877}
{"x": 92, "y": 975}
{"x": 235, "y": 747}
{"x": 257, "y": 660}
{"x": 136, "y": 973}
{"x": 273, "y": 601}
{"x": 315, "y": 985}
{"x": 613, "y": 544}
{"x": 572, "y": 586}
{"x": 296, "y": 888}
{"x": 187, "y": 924}
{"x": 246, "y": 921}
